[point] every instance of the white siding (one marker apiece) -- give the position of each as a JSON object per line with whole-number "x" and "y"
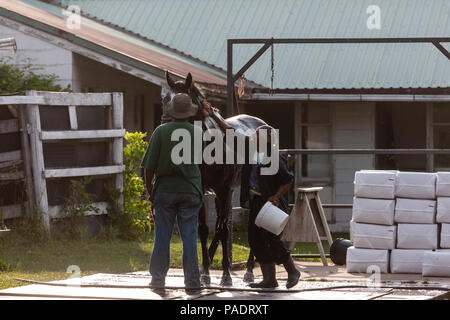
{"x": 353, "y": 129}
{"x": 48, "y": 58}
{"x": 53, "y": 55}
{"x": 140, "y": 96}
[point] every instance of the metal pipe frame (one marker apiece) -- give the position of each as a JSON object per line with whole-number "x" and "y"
{"x": 267, "y": 42}
{"x": 366, "y": 151}
{"x": 351, "y": 97}
{"x": 361, "y": 151}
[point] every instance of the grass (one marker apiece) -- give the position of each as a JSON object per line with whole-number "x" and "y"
{"x": 49, "y": 260}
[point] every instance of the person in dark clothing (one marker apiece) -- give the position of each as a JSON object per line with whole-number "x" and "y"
{"x": 267, "y": 247}
{"x": 257, "y": 189}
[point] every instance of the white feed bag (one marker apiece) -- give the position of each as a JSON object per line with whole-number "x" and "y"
{"x": 372, "y": 236}
{"x": 377, "y": 211}
{"x": 436, "y": 264}
{"x": 443, "y": 184}
{"x": 375, "y": 184}
{"x": 417, "y": 236}
{"x": 271, "y": 218}
{"x": 407, "y": 261}
{"x": 443, "y": 210}
{"x": 417, "y": 185}
{"x": 415, "y": 211}
{"x": 367, "y": 260}
{"x": 445, "y": 235}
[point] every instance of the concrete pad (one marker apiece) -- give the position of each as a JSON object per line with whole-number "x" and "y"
{"x": 314, "y": 276}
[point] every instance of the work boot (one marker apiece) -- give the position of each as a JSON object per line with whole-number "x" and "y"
{"x": 158, "y": 288}
{"x": 193, "y": 291}
{"x": 269, "y": 277}
{"x": 293, "y": 273}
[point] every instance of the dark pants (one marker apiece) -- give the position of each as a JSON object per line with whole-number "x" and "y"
{"x": 184, "y": 207}
{"x": 266, "y": 246}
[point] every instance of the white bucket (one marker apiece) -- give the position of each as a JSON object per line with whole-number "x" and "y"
{"x": 271, "y": 218}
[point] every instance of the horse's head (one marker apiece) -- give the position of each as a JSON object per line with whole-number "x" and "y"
{"x": 187, "y": 86}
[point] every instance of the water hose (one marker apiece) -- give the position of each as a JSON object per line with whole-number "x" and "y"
{"x": 234, "y": 289}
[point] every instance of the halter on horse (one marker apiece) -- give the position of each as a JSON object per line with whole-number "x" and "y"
{"x": 221, "y": 179}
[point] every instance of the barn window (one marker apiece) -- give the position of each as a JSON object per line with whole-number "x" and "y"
{"x": 441, "y": 134}
{"x": 315, "y": 133}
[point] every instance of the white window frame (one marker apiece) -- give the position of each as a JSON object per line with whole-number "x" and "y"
{"x": 299, "y": 125}
{"x": 431, "y": 124}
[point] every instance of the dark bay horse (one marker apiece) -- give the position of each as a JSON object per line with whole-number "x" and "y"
{"x": 220, "y": 179}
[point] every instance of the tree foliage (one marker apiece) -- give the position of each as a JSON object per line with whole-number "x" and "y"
{"x": 22, "y": 77}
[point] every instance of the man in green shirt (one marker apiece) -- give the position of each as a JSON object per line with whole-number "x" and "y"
{"x": 177, "y": 189}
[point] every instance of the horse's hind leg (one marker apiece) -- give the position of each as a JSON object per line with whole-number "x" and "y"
{"x": 226, "y": 238}
{"x": 215, "y": 241}
{"x": 226, "y": 253}
{"x": 248, "y": 276}
{"x": 203, "y": 234}
{"x": 223, "y": 234}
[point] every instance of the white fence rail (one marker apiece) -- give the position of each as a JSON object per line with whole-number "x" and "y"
{"x": 28, "y": 123}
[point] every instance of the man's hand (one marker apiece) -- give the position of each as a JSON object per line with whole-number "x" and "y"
{"x": 150, "y": 197}
{"x": 207, "y": 109}
{"x": 148, "y": 175}
{"x": 275, "y": 200}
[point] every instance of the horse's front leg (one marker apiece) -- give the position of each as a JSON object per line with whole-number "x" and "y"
{"x": 248, "y": 276}
{"x": 226, "y": 239}
{"x": 203, "y": 234}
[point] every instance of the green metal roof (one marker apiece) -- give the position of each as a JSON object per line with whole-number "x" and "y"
{"x": 199, "y": 29}
{"x": 111, "y": 42}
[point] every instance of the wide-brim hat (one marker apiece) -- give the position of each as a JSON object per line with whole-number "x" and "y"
{"x": 181, "y": 107}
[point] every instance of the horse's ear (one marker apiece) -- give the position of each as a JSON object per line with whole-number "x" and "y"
{"x": 169, "y": 80}
{"x": 188, "y": 82}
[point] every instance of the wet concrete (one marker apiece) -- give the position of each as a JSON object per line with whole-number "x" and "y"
{"x": 314, "y": 276}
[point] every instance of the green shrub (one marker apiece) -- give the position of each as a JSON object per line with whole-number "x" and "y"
{"x": 27, "y": 231}
{"x": 76, "y": 205}
{"x": 5, "y": 267}
{"x": 133, "y": 222}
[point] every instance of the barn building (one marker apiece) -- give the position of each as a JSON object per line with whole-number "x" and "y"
{"x": 326, "y": 96}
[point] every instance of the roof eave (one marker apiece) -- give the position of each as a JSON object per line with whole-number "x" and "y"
{"x": 56, "y": 26}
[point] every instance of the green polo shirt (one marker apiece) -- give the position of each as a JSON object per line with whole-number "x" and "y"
{"x": 171, "y": 177}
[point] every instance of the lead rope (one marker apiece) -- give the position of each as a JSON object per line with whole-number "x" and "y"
{"x": 272, "y": 69}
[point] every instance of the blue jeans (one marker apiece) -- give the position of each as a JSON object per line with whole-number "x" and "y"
{"x": 185, "y": 207}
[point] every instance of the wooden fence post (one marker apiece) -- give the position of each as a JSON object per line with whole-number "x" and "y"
{"x": 117, "y": 149}
{"x": 37, "y": 163}
{"x": 26, "y": 157}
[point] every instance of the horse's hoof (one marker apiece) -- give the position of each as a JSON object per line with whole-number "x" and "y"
{"x": 226, "y": 281}
{"x": 249, "y": 277}
{"x": 205, "y": 279}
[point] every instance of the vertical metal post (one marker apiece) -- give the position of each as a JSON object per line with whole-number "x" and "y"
{"x": 429, "y": 136}
{"x": 230, "y": 83}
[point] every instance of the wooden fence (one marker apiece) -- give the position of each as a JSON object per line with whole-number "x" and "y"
{"x": 30, "y": 157}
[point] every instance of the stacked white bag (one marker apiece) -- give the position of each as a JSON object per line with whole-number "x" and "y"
{"x": 443, "y": 207}
{"x": 396, "y": 221}
{"x": 437, "y": 263}
{"x": 415, "y": 215}
{"x": 372, "y": 228}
